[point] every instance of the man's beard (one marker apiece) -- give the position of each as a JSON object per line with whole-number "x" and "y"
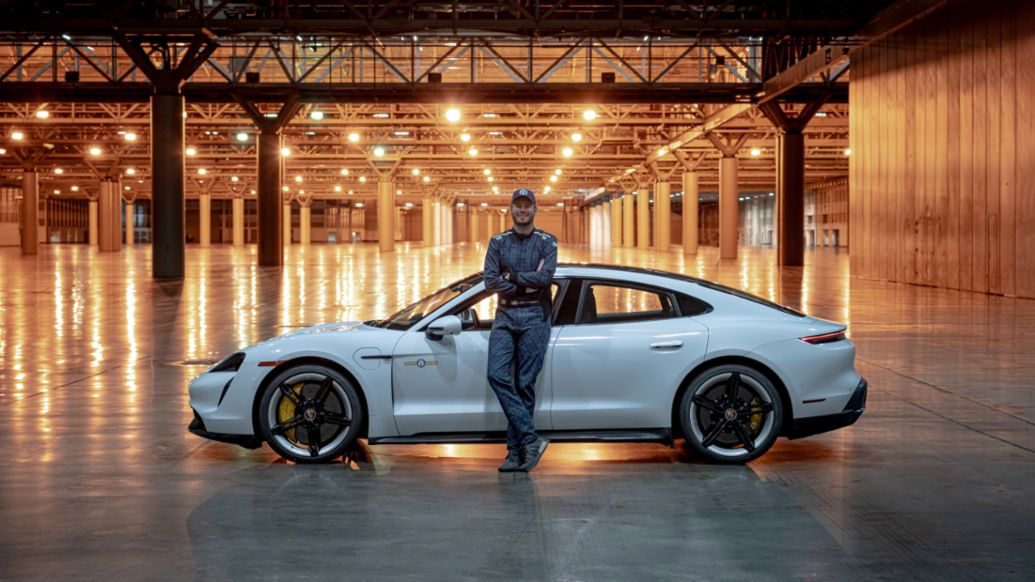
{"x": 519, "y": 222}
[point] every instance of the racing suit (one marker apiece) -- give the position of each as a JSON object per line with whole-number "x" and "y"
{"x": 519, "y": 268}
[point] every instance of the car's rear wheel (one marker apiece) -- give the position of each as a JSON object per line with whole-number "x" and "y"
{"x": 310, "y": 414}
{"x": 731, "y": 414}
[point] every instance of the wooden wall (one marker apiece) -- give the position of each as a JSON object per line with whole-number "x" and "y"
{"x": 943, "y": 151}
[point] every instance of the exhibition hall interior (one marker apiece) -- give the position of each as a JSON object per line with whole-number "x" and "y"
{"x": 183, "y": 180}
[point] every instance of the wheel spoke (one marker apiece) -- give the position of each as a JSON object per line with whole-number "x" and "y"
{"x": 707, "y": 403}
{"x": 745, "y": 437}
{"x": 323, "y": 391}
{"x": 732, "y": 387}
{"x": 289, "y": 394}
{"x": 714, "y": 433}
{"x": 314, "y": 440}
{"x": 338, "y": 419}
{"x": 287, "y": 425}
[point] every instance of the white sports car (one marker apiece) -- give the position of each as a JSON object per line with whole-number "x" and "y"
{"x": 634, "y": 355}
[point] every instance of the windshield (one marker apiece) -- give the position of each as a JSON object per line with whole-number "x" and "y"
{"x": 405, "y": 318}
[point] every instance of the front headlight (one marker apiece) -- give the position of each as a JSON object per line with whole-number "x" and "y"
{"x": 231, "y": 363}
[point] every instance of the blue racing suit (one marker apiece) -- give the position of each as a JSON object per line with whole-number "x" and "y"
{"x": 519, "y": 268}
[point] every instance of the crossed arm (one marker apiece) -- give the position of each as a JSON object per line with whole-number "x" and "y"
{"x": 512, "y": 283}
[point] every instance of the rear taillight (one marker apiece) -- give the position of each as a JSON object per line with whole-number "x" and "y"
{"x": 825, "y": 338}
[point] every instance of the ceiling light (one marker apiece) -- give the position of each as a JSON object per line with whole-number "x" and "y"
{"x": 465, "y": 137}
{"x": 74, "y": 188}
{"x": 487, "y": 172}
{"x": 253, "y": 191}
{"x": 589, "y": 115}
{"x": 242, "y": 136}
{"x": 202, "y": 171}
{"x": 491, "y": 179}
{"x": 567, "y": 152}
{"x": 359, "y": 205}
{"x": 17, "y": 136}
{"x": 553, "y": 179}
{"x": 57, "y": 191}
{"x": 576, "y": 137}
{"x": 401, "y": 133}
{"x": 337, "y": 188}
{"x": 484, "y": 204}
{"x": 3, "y": 151}
{"x": 560, "y": 204}
{"x": 489, "y": 115}
{"x": 234, "y": 178}
{"x": 131, "y": 171}
{"x": 379, "y": 151}
{"x": 58, "y": 171}
{"x": 398, "y": 192}
{"x": 317, "y": 115}
{"x": 546, "y": 189}
{"x": 409, "y": 205}
{"x": 472, "y": 152}
{"x": 125, "y": 187}
{"x": 350, "y": 192}
{"x": 756, "y": 152}
{"x": 298, "y": 179}
{"x": 558, "y": 172}
{"x": 344, "y": 172}
{"x": 382, "y": 115}
{"x": 496, "y": 189}
{"x": 353, "y": 137}
{"x": 426, "y": 178}
{"x": 848, "y": 151}
{"x": 285, "y": 151}
{"x": 285, "y": 189}
{"x": 191, "y": 151}
{"x": 453, "y": 115}
{"x": 95, "y": 151}
{"x": 362, "y": 179}
{"x": 42, "y": 114}
{"x": 130, "y": 136}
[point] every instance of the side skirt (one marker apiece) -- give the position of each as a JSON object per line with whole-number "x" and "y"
{"x": 651, "y": 435}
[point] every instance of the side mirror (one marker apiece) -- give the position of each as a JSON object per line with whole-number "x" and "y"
{"x": 469, "y": 318}
{"x": 443, "y": 326}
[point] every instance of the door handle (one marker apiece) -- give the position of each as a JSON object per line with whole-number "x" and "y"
{"x": 666, "y": 345}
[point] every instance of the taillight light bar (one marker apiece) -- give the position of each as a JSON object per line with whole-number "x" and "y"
{"x": 825, "y": 338}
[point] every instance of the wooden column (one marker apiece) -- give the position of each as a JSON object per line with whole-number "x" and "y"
{"x": 690, "y": 203}
{"x": 386, "y": 215}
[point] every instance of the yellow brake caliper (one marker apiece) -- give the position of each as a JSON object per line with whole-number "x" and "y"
{"x": 287, "y": 410}
{"x": 756, "y": 418}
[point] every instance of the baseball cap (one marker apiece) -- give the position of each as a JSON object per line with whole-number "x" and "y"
{"x": 523, "y": 193}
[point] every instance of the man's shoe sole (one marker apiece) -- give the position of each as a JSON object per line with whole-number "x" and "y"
{"x": 542, "y": 449}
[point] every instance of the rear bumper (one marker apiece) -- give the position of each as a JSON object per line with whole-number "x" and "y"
{"x": 804, "y": 427}
{"x": 197, "y": 426}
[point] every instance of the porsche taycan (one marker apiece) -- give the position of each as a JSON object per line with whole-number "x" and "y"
{"x": 634, "y": 355}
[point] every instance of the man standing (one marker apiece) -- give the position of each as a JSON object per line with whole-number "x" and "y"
{"x": 519, "y": 266}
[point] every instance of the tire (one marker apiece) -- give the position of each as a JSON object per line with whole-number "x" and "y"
{"x": 731, "y": 414}
{"x": 310, "y": 414}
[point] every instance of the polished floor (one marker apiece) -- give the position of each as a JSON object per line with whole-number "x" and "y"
{"x": 99, "y": 477}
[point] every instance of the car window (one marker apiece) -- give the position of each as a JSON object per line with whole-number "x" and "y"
{"x": 612, "y": 303}
{"x": 484, "y": 305}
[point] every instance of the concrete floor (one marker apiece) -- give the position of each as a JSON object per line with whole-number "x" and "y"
{"x": 101, "y": 478}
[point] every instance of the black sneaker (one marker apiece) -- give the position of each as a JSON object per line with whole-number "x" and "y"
{"x": 512, "y": 462}
{"x": 533, "y": 453}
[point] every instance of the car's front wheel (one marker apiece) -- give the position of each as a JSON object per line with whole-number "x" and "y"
{"x": 731, "y": 414}
{"x": 310, "y": 414}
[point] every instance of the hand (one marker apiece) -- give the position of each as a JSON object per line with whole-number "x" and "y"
{"x": 505, "y": 276}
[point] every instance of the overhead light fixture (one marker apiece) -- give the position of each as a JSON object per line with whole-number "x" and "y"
{"x": 415, "y": 171}
{"x": 191, "y": 151}
{"x": 353, "y": 137}
{"x": 317, "y": 115}
{"x": 567, "y": 152}
{"x": 95, "y": 151}
{"x": 663, "y": 151}
{"x": 234, "y": 178}
{"x": 285, "y": 189}
{"x": 589, "y": 114}
{"x": 57, "y": 191}
{"x": 130, "y": 136}
{"x": 472, "y": 152}
{"x": 756, "y": 152}
{"x": 465, "y": 137}
{"x": 490, "y": 179}
{"x": 58, "y": 171}
{"x": 453, "y": 115}
{"x": 409, "y": 205}
{"x": 359, "y": 205}
{"x": 362, "y": 179}
{"x": 344, "y": 172}
{"x": 558, "y": 172}
{"x": 848, "y": 151}
{"x": 42, "y": 114}
{"x": 131, "y": 171}
{"x": 17, "y": 135}
{"x": 484, "y": 204}
{"x": 576, "y": 137}
{"x": 202, "y": 171}
{"x": 253, "y": 191}
{"x": 487, "y": 172}
{"x": 398, "y": 192}
{"x": 350, "y": 192}
{"x": 285, "y": 152}
{"x": 495, "y": 189}
{"x": 3, "y": 151}
{"x": 546, "y": 189}
{"x": 74, "y": 188}
{"x": 298, "y": 179}
{"x": 242, "y": 136}
{"x": 382, "y": 115}
{"x": 489, "y": 115}
{"x": 426, "y": 178}
{"x": 553, "y": 179}
{"x": 379, "y": 151}
{"x": 337, "y": 188}
{"x": 560, "y": 204}
{"x": 126, "y": 188}
{"x": 495, "y": 133}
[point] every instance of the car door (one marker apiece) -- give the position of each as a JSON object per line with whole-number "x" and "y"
{"x": 441, "y": 386}
{"x": 618, "y": 366}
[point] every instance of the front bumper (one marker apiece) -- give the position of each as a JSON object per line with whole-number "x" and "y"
{"x": 803, "y": 427}
{"x": 197, "y": 426}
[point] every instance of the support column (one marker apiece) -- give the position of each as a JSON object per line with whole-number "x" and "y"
{"x": 286, "y": 213}
{"x": 690, "y": 203}
{"x": 128, "y": 206}
{"x": 110, "y": 216}
{"x": 643, "y": 219}
{"x": 628, "y": 221}
{"x": 304, "y": 226}
{"x": 205, "y": 219}
{"x": 92, "y": 225}
{"x": 427, "y": 222}
{"x": 167, "y": 168}
{"x": 386, "y": 215}
{"x": 436, "y": 222}
{"x": 30, "y": 235}
{"x": 663, "y": 209}
{"x": 616, "y": 222}
{"x": 503, "y": 222}
{"x": 790, "y": 198}
{"x": 271, "y": 239}
{"x": 472, "y": 213}
{"x": 237, "y": 207}
{"x": 728, "y": 210}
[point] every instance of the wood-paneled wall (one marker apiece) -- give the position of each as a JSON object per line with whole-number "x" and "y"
{"x": 943, "y": 151}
